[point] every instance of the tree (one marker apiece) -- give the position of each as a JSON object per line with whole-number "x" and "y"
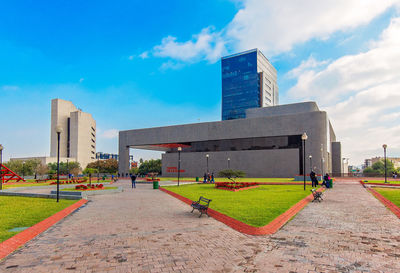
{"x": 378, "y": 168}
{"x": 232, "y": 174}
{"x": 23, "y": 168}
{"x": 104, "y": 166}
{"x": 42, "y": 169}
{"x": 89, "y": 171}
{"x": 134, "y": 170}
{"x": 150, "y": 166}
{"x": 72, "y": 167}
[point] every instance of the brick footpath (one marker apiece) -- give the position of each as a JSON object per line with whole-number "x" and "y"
{"x": 145, "y": 230}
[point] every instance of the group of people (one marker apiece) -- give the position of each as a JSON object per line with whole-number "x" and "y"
{"x": 314, "y": 180}
{"x": 208, "y": 178}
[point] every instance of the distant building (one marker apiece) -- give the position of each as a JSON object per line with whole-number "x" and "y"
{"x": 394, "y": 160}
{"x": 105, "y": 156}
{"x": 367, "y": 163}
{"x": 78, "y": 138}
{"x": 248, "y": 81}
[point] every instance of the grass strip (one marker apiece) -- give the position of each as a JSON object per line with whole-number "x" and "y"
{"x": 19, "y": 212}
{"x": 392, "y": 195}
{"x": 256, "y": 207}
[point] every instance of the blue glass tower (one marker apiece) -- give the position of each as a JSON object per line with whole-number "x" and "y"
{"x": 248, "y": 81}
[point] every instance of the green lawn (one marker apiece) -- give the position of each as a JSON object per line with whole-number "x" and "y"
{"x": 391, "y": 194}
{"x": 25, "y": 212}
{"x": 381, "y": 181}
{"x": 256, "y": 207}
{"x": 105, "y": 188}
{"x": 219, "y": 179}
{"x": 8, "y": 186}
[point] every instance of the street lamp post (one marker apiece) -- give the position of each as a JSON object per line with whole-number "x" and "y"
{"x": 322, "y": 160}
{"x": 1, "y": 167}
{"x": 384, "y": 156}
{"x": 229, "y": 163}
{"x": 310, "y": 156}
{"x": 68, "y": 169}
{"x": 207, "y": 156}
{"x": 179, "y": 163}
{"x": 304, "y": 138}
{"x": 59, "y": 131}
{"x": 98, "y": 169}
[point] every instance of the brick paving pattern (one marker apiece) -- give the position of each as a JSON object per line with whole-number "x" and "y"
{"x": 145, "y": 230}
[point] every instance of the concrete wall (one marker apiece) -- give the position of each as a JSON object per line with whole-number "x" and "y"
{"x": 336, "y": 158}
{"x": 60, "y": 112}
{"x": 314, "y": 123}
{"x": 260, "y": 163}
{"x": 82, "y": 146}
{"x": 43, "y": 159}
{"x": 279, "y": 110}
{"x": 81, "y": 124}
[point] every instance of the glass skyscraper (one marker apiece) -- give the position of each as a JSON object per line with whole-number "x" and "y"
{"x": 248, "y": 81}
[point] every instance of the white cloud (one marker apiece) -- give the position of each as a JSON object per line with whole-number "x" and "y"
{"x": 207, "y": 45}
{"x": 144, "y": 55}
{"x": 274, "y": 27}
{"x": 111, "y": 133}
{"x": 304, "y": 66}
{"x": 10, "y": 87}
{"x": 361, "y": 93}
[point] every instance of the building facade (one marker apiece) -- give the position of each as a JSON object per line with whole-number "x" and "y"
{"x": 267, "y": 143}
{"x": 248, "y": 81}
{"x": 394, "y": 160}
{"x": 78, "y": 138}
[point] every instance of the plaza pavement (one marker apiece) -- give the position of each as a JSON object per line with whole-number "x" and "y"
{"x": 145, "y": 230}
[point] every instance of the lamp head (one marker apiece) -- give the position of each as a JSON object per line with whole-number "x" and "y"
{"x": 310, "y": 156}
{"x": 207, "y": 155}
{"x": 229, "y": 158}
{"x": 59, "y": 129}
{"x": 179, "y": 149}
{"x": 384, "y": 146}
{"x": 304, "y": 136}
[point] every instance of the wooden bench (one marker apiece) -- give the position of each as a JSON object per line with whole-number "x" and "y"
{"x": 317, "y": 195}
{"x": 201, "y": 205}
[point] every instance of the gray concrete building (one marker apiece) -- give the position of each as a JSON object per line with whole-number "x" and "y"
{"x": 78, "y": 139}
{"x": 267, "y": 143}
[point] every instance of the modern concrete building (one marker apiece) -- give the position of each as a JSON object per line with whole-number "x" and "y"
{"x": 44, "y": 160}
{"x": 78, "y": 139}
{"x": 267, "y": 143}
{"x": 248, "y": 81}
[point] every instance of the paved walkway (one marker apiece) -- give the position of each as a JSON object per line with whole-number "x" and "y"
{"x": 144, "y": 230}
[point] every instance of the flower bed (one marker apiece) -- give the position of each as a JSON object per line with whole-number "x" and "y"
{"x": 89, "y": 187}
{"x": 235, "y": 186}
{"x": 70, "y": 182}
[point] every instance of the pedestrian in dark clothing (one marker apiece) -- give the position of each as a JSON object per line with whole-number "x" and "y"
{"x": 205, "y": 178}
{"x": 326, "y": 180}
{"x": 133, "y": 178}
{"x": 313, "y": 178}
{"x": 212, "y": 178}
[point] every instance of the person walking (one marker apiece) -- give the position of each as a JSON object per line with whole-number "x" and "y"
{"x": 133, "y": 178}
{"x": 205, "y": 178}
{"x": 212, "y": 178}
{"x": 313, "y": 179}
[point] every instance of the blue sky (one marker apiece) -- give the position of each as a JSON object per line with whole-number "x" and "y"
{"x": 135, "y": 64}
